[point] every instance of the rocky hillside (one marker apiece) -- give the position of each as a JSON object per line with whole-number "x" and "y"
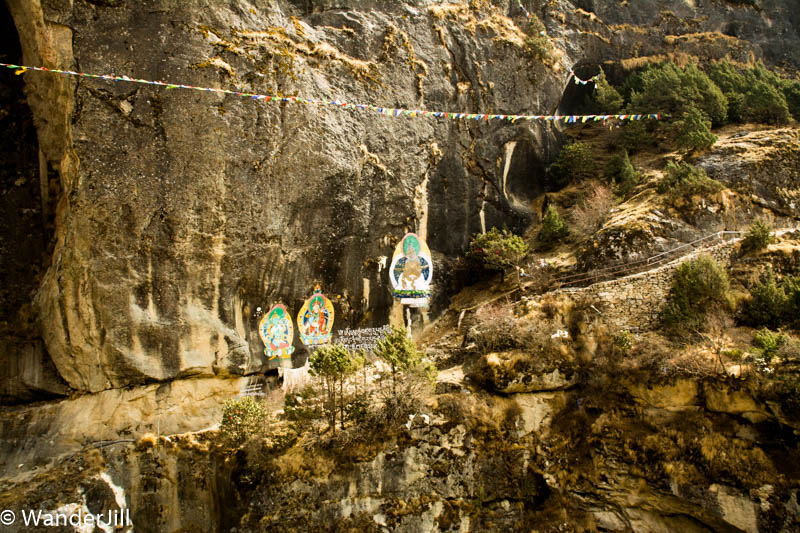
{"x": 146, "y": 229}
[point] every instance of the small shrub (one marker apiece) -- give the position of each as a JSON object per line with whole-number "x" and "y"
{"x": 357, "y": 408}
{"x": 791, "y": 91}
{"x": 693, "y": 131}
{"x": 554, "y": 229}
{"x": 605, "y": 99}
{"x": 298, "y": 408}
{"x": 241, "y": 418}
{"x": 758, "y": 237}
{"x": 574, "y": 162}
{"x": 683, "y": 179}
{"x": 764, "y": 102}
{"x": 767, "y": 303}
{"x": 496, "y": 250}
{"x": 791, "y": 286}
{"x": 637, "y": 136}
{"x": 623, "y": 342}
{"x": 769, "y": 342}
{"x": 700, "y": 285}
{"x": 333, "y": 364}
{"x": 538, "y": 42}
{"x": 146, "y": 441}
{"x": 588, "y": 216}
{"x": 496, "y": 328}
{"x": 734, "y": 354}
{"x": 620, "y": 171}
{"x": 398, "y": 350}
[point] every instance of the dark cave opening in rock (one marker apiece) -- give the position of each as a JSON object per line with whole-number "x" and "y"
{"x": 576, "y": 96}
{"x": 22, "y": 237}
{"x": 526, "y": 179}
{"x": 25, "y": 230}
{"x": 586, "y": 5}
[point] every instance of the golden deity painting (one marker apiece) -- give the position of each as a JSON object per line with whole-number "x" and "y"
{"x": 315, "y": 319}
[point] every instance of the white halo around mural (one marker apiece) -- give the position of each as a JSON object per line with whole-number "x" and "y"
{"x": 411, "y": 271}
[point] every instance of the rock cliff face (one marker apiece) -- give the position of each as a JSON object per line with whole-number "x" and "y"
{"x": 610, "y": 454}
{"x": 144, "y": 228}
{"x": 182, "y": 212}
{"x": 179, "y": 213}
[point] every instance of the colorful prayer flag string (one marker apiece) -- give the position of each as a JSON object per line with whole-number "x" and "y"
{"x": 527, "y": 14}
{"x": 384, "y": 111}
{"x": 579, "y": 81}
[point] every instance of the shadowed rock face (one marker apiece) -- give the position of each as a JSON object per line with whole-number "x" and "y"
{"x": 182, "y": 212}
{"x": 178, "y": 213}
{"x": 185, "y": 211}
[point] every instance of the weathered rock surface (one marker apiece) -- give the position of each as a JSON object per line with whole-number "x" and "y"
{"x": 663, "y": 458}
{"x": 181, "y": 213}
{"x": 175, "y": 214}
{"x": 764, "y": 167}
{"x": 34, "y": 435}
{"x": 512, "y": 372}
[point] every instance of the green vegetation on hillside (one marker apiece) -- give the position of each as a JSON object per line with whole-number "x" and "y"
{"x": 621, "y": 173}
{"x": 672, "y": 90}
{"x": 575, "y": 162}
{"x": 683, "y": 179}
{"x": 725, "y": 94}
{"x": 772, "y": 302}
{"x": 758, "y": 237}
{"x": 334, "y": 364}
{"x": 554, "y": 229}
{"x": 700, "y": 286}
{"x": 497, "y": 250}
{"x": 241, "y": 418}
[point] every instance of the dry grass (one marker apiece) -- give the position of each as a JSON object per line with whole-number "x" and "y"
{"x": 590, "y": 213}
{"x": 479, "y": 412}
{"x": 146, "y": 441}
{"x": 298, "y": 463}
{"x": 481, "y": 16}
{"x": 277, "y": 41}
{"x": 679, "y": 58}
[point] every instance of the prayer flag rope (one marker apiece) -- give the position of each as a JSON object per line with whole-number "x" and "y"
{"x": 527, "y": 14}
{"x": 579, "y": 81}
{"x": 384, "y": 111}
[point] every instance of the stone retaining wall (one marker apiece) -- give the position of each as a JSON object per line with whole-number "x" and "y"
{"x": 635, "y": 302}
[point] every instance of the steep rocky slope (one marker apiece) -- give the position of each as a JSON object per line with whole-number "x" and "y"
{"x": 180, "y": 213}
{"x": 155, "y": 223}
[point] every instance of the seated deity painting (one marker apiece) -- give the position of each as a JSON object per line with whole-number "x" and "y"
{"x": 315, "y": 319}
{"x": 411, "y": 269}
{"x": 277, "y": 333}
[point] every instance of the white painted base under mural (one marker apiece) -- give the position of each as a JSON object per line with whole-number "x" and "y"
{"x": 415, "y": 302}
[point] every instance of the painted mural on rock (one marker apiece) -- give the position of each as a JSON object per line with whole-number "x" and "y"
{"x": 411, "y": 270}
{"x": 315, "y": 319}
{"x": 277, "y": 333}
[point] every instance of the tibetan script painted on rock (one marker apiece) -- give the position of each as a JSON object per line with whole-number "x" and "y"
{"x": 411, "y": 269}
{"x": 315, "y": 319}
{"x": 277, "y": 333}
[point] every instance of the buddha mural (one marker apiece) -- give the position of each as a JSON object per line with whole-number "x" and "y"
{"x": 411, "y": 268}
